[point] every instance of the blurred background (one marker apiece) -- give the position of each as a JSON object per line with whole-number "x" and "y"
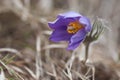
{"x": 27, "y": 54}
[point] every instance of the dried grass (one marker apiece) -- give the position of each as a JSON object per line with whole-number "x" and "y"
{"x": 24, "y": 32}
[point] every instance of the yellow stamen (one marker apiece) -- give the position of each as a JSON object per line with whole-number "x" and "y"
{"x": 74, "y": 27}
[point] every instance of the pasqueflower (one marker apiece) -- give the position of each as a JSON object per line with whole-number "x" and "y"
{"x": 72, "y": 27}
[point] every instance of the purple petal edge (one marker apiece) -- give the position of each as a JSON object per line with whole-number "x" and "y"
{"x": 74, "y": 46}
{"x": 59, "y": 23}
{"x": 85, "y": 21}
{"x": 70, "y": 14}
{"x": 76, "y": 39}
{"x": 60, "y": 35}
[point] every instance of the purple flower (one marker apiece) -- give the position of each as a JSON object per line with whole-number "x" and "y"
{"x": 71, "y": 27}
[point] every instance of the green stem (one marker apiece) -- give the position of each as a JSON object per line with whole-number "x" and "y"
{"x": 86, "y": 51}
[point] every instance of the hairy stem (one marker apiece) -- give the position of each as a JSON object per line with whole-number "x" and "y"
{"x": 86, "y": 51}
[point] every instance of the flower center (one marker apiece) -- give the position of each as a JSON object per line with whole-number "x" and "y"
{"x": 74, "y": 27}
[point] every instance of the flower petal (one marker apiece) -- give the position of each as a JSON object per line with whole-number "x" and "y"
{"x": 60, "y": 35}
{"x": 76, "y": 39}
{"x": 85, "y": 21}
{"x": 59, "y": 23}
{"x": 74, "y": 45}
{"x": 70, "y": 14}
{"x": 63, "y": 20}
